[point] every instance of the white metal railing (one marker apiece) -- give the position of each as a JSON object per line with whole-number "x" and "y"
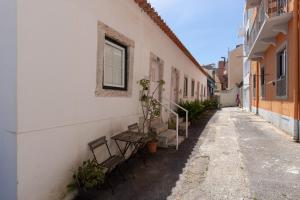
{"x": 186, "y": 115}
{"x": 177, "y": 122}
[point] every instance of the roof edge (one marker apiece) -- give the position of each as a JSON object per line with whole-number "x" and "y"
{"x": 156, "y": 18}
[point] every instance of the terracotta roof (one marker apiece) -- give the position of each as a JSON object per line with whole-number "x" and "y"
{"x": 147, "y": 8}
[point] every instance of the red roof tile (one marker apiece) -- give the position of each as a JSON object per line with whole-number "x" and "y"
{"x": 146, "y": 6}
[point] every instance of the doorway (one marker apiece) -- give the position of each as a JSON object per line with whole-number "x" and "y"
{"x": 174, "y": 85}
{"x": 198, "y": 91}
{"x": 156, "y": 75}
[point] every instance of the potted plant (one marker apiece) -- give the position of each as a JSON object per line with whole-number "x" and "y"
{"x": 151, "y": 109}
{"x": 87, "y": 179}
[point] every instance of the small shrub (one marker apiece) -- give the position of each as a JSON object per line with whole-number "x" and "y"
{"x": 88, "y": 177}
{"x": 196, "y": 108}
{"x": 210, "y": 104}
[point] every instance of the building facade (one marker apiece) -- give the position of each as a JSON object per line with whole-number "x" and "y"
{"x": 69, "y": 72}
{"x": 222, "y": 75}
{"x": 272, "y": 47}
{"x": 248, "y": 23}
{"x": 235, "y": 67}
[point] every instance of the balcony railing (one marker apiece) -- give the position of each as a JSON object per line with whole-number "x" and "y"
{"x": 266, "y": 10}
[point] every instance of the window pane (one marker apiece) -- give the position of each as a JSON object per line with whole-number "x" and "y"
{"x": 108, "y": 78}
{"x": 114, "y": 65}
{"x": 117, "y": 79}
{"x": 117, "y": 59}
{"x": 254, "y": 85}
{"x": 281, "y": 84}
{"x": 185, "y": 87}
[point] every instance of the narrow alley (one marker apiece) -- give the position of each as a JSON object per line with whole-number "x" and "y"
{"x": 241, "y": 156}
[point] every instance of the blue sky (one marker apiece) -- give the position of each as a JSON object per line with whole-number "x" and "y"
{"x": 206, "y": 27}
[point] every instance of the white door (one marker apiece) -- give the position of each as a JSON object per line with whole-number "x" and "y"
{"x": 174, "y": 85}
{"x": 155, "y": 77}
{"x": 198, "y": 91}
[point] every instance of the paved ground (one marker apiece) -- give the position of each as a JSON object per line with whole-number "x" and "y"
{"x": 230, "y": 155}
{"x": 248, "y": 159}
{"x": 156, "y": 180}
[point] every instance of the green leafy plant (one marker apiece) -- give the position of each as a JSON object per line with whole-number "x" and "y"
{"x": 150, "y": 106}
{"x": 196, "y": 108}
{"x": 210, "y": 104}
{"x": 88, "y": 177}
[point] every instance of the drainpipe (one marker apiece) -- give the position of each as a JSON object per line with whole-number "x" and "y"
{"x": 297, "y": 62}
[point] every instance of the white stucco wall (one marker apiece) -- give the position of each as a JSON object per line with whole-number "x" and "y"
{"x": 228, "y": 97}
{"x": 8, "y": 68}
{"x": 58, "y": 112}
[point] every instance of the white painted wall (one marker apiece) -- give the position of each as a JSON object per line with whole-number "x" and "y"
{"x": 228, "y": 97}
{"x": 246, "y": 84}
{"x": 58, "y": 112}
{"x": 8, "y": 68}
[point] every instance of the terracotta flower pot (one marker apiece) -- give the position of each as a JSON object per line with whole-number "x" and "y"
{"x": 152, "y": 147}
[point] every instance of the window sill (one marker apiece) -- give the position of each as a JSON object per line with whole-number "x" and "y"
{"x": 100, "y": 92}
{"x": 114, "y": 88}
{"x": 282, "y": 98}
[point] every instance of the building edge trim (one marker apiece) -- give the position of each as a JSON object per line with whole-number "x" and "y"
{"x": 291, "y": 129}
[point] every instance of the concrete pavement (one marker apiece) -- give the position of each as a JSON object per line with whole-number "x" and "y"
{"x": 241, "y": 156}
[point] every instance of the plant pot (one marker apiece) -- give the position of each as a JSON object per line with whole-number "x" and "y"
{"x": 152, "y": 147}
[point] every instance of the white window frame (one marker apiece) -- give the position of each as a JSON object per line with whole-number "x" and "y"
{"x": 123, "y": 50}
{"x": 284, "y": 46}
{"x": 254, "y": 82}
{"x": 263, "y": 86}
{"x": 193, "y": 88}
{"x": 185, "y": 86}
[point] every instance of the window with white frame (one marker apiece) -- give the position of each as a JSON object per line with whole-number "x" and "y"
{"x": 193, "y": 88}
{"x": 262, "y": 82}
{"x": 281, "y": 83}
{"x": 115, "y": 59}
{"x": 254, "y": 86}
{"x": 201, "y": 92}
{"x": 185, "y": 87}
{"x": 115, "y": 67}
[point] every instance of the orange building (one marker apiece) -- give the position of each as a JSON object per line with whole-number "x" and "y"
{"x": 272, "y": 47}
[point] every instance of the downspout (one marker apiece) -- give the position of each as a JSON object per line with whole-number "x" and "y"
{"x": 297, "y": 62}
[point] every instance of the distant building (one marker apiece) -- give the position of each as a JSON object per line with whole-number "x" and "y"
{"x": 211, "y": 80}
{"x": 248, "y": 22}
{"x": 235, "y": 67}
{"x": 222, "y": 75}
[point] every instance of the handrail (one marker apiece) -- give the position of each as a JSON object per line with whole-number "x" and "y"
{"x": 186, "y": 115}
{"x": 177, "y": 122}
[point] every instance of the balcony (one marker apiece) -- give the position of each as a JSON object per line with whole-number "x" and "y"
{"x": 271, "y": 19}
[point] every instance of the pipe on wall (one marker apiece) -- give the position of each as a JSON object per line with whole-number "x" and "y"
{"x": 297, "y": 64}
{"x": 297, "y": 74}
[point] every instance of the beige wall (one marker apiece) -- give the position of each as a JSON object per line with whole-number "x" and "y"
{"x": 58, "y": 112}
{"x": 235, "y": 67}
